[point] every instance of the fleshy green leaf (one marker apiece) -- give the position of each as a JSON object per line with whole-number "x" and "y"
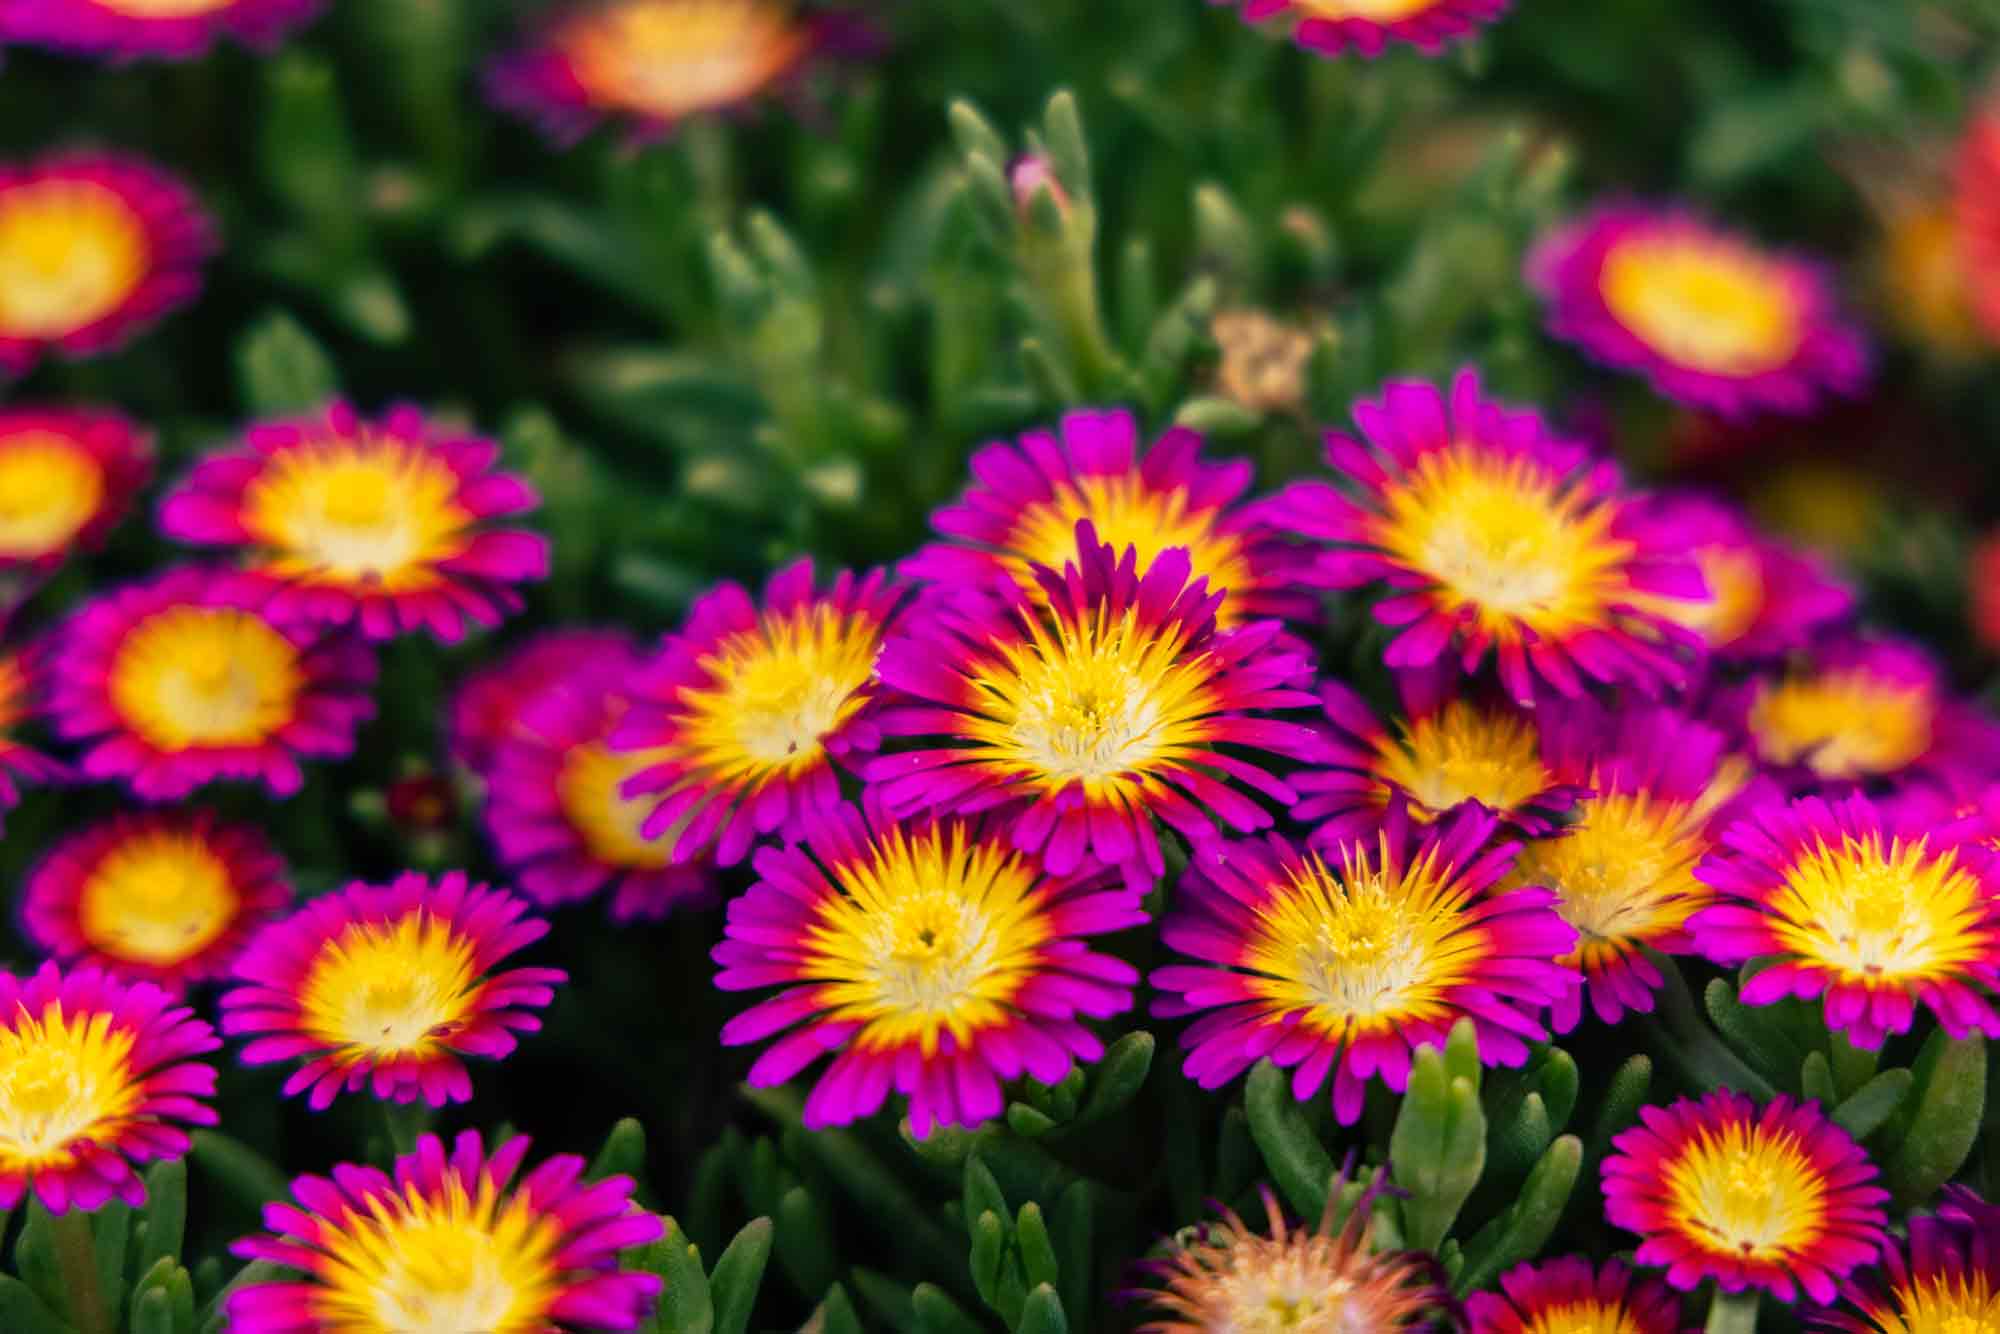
{"x": 1949, "y": 1097}
{"x": 1523, "y": 1229}
{"x": 1874, "y": 1103}
{"x": 738, "y": 1274}
{"x": 1043, "y": 1313}
{"x": 1297, "y": 1161}
{"x": 623, "y": 1154}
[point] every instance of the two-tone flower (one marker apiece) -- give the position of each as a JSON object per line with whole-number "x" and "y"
{"x": 67, "y": 476}
{"x": 1568, "y": 1296}
{"x": 1944, "y": 1276}
{"x": 19, "y": 762}
{"x": 1766, "y": 598}
{"x": 487, "y": 704}
{"x": 157, "y": 29}
{"x": 1330, "y": 27}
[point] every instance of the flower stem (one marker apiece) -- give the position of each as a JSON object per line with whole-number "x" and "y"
{"x": 1732, "y": 1313}
{"x": 405, "y": 1121}
{"x": 76, "y": 1254}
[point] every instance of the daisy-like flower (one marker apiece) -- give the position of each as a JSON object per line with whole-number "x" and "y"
{"x": 385, "y": 525}
{"x": 1765, "y": 597}
{"x": 93, "y": 247}
{"x": 1493, "y": 534}
{"x": 1436, "y": 760}
{"x": 1567, "y": 1296}
{"x": 161, "y": 29}
{"x": 1945, "y": 1278}
{"x": 388, "y": 987}
{"x": 744, "y": 712}
{"x": 1773, "y": 1199}
{"x": 1977, "y": 206}
{"x": 1711, "y": 318}
{"x": 654, "y": 63}
{"x": 184, "y": 680}
{"x": 487, "y": 704}
{"x": 1346, "y": 968}
{"x": 1090, "y": 706}
{"x": 932, "y": 958}
{"x": 164, "y": 896}
{"x": 1874, "y": 912}
{"x": 454, "y": 1240}
{"x": 556, "y": 808}
{"x": 96, "y": 1077}
{"x": 1226, "y": 1277}
{"x": 67, "y": 476}
{"x": 19, "y": 763}
{"x": 1023, "y": 509}
{"x": 1330, "y": 27}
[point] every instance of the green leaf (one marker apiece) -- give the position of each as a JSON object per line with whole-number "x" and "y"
{"x": 738, "y": 1274}
{"x": 1557, "y": 1077}
{"x": 1874, "y": 1103}
{"x": 1297, "y": 1161}
{"x": 937, "y": 1313}
{"x": 240, "y": 1170}
{"x": 837, "y": 1314}
{"x": 1026, "y": 1121}
{"x": 111, "y": 1231}
{"x": 35, "y": 1257}
{"x": 1816, "y": 1080}
{"x": 686, "y": 1305}
{"x": 281, "y": 370}
{"x": 886, "y": 1297}
{"x": 1437, "y": 1150}
{"x": 1950, "y": 1097}
{"x": 1043, "y": 1313}
{"x": 989, "y": 1254}
{"x": 1852, "y": 1066}
{"x": 152, "y": 1313}
{"x": 623, "y": 1154}
{"x": 1756, "y": 1037}
{"x": 165, "y": 1213}
{"x": 974, "y": 133}
{"x": 1218, "y": 417}
{"x": 22, "y": 1312}
{"x": 1523, "y": 1229}
{"x": 1118, "y": 1077}
{"x": 1522, "y": 1140}
{"x": 804, "y": 1233}
{"x": 1461, "y": 1054}
{"x": 1073, "y": 1227}
{"x": 1038, "y": 1253}
{"x": 982, "y": 1192}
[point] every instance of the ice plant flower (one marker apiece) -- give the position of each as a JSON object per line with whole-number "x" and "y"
{"x": 1944, "y": 1278}
{"x": 1438, "y": 759}
{"x": 1494, "y": 535}
{"x": 743, "y": 714}
{"x": 556, "y": 808}
{"x": 1345, "y": 967}
{"x": 185, "y": 679}
{"x": 1770, "y": 1199}
{"x": 1105, "y": 698}
{"x": 93, "y": 246}
{"x": 486, "y": 705}
{"x": 1330, "y": 27}
{"x": 1567, "y": 1296}
{"x": 1027, "y": 498}
{"x": 19, "y": 762}
{"x": 1711, "y": 318}
{"x": 1874, "y": 912}
{"x": 1765, "y": 597}
{"x": 160, "y": 29}
{"x": 457, "y": 1239}
{"x": 67, "y": 476}
{"x": 387, "y": 987}
{"x": 1221, "y": 1278}
{"x": 386, "y": 525}
{"x": 933, "y": 958}
{"x": 99, "y": 1078}
{"x": 163, "y": 896}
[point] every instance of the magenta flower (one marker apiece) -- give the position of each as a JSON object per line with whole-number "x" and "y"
{"x": 1567, "y": 1294}
{"x": 19, "y": 763}
{"x": 67, "y": 477}
{"x": 160, "y": 29}
{"x": 385, "y": 525}
{"x": 486, "y": 705}
{"x": 1946, "y": 1276}
{"x": 1330, "y": 27}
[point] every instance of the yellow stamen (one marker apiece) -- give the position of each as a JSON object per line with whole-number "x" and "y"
{"x": 49, "y": 489}
{"x": 671, "y": 58}
{"x": 1586, "y": 1317}
{"x": 1702, "y": 306}
{"x": 1882, "y": 912}
{"x": 1735, "y": 579}
{"x": 1843, "y": 723}
{"x": 159, "y": 897}
{"x": 1464, "y": 753}
{"x": 1623, "y": 873}
{"x": 1940, "y": 1304}
{"x": 71, "y": 252}
{"x": 63, "y": 1078}
{"x": 1747, "y": 1192}
{"x": 205, "y": 676}
{"x": 588, "y": 789}
{"x": 393, "y": 989}
{"x": 374, "y": 512}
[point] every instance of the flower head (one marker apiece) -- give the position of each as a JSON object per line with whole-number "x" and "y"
{"x": 1330, "y": 27}
{"x": 384, "y": 525}
{"x": 93, "y": 246}
{"x": 1776, "y": 1198}
{"x": 1264, "y": 361}
{"x": 451, "y": 1241}
{"x": 744, "y": 712}
{"x": 1765, "y": 597}
{"x": 1345, "y": 967}
{"x": 164, "y": 896}
{"x": 184, "y": 680}
{"x": 1566, "y": 1296}
{"x": 1494, "y": 535}
{"x": 96, "y": 1076}
{"x": 1945, "y": 1279}
{"x": 19, "y": 763}
{"x": 487, "y": 704}
{"x": 933, "y": 958}
{"x": 1023, "y": 508}
{"x": 387, "y": 987}
{"x": 1711, "y": 318}
{"x": 67, "y": 476}
{"x": 1227, "y": 1278}
{"x": 1875, "y": 912}
{"x": 163, "y": 29}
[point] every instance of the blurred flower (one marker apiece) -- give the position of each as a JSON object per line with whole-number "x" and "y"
{"x": 163, "y": 896}
{"x": 1983, "y": 581}
{"x": 1978, "y": 209}
{"x": 1346, "y": 969}
{"x": 1773, "y": 1199}
{"x": 93, "y": 246}
{"x": 19, "y": 763}
{"x": 184, "y": 679}
{"x": 1029, "y": 175}
{"x": 1566, "y": 1296}
{"x": 1023, "y": 509}
{"x": 1333, "y": 26}
{"x": 1928, "y": 288}
{"x": 382, "y": 525}
{"x": 1224, "y": 1278}
{"x": 451, "y": 1242}
{"x": 1711, "y": 318}
{"x": 1264, "y": 362}
{"x": 933, "y": 958}
{"x": 486, "y": 706}
{"x": 1493, "y": 534}
{"x": 1945, "y": 1277}
{"x": 744, "y": 711}
{"x": 135, "y": 29}
{"x": 67, "y": 476}
{"x": 1876, "y": 913}
{"x": 387, "y": 987}
{"x": 1091, "y": 709}
{"x": 1765, "y": 598}
{"x": 100, "y": 1078}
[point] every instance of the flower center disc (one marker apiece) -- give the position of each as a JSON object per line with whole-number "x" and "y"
{"x": 71, "y": 252}
{"x": 1623, "y": 871}
{"x": 1370, "y": 11}
{"x": 389, "y": 989}
{"x": 1882, "y": 913}
{"x": 61, "y": 1077}
{"x": 1748, "y": 1194}
{"x": 1463, "y": 753}
{"x": 1701, "y": 307}
{"x": 673, "y": 57}
{"x": 1125, "y": 514}
{"x": 49, "y": 489}
{"x": 587, "y": 788}
{"x": 780, "y": 691}
{"x": 1583, "y": 1318}
{"x": 205, "y": 676}
{"x": 1843, "y": 724}
{"x": 158, "y": 898}
{"x": 377, "y": 512}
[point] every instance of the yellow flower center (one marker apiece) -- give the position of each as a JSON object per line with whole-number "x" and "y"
{"x": 63, "y": 1078}
{"x": 1700, "y": 305}
{"x": 374, "y": 511}
{"x": 1748, "y": 1192}
{"x": 1940, "y": 1304}
{"x": 158, "y": 897}
{"x": 1372, "y": 11}
{"x": 49, "y": 489}
{"x": 587, "y": 788}
{"x": 1464, "y": 753}
{"x": 1926, "y": 276}
{"x": 1520, "y": 548}
{"x": 1624, "y": 872}
{"x": 1735, "y": 579}
{"x": 389, "y": 989}
{"x": 1843, "y": 724}
{"x": 71, "y": 252}
{"x": 205, "y": 676}
{"x": 670, "y": 58}
{"x": 933, "y": 933}
{"x": 443, "y": 1263}
{"x": 1882, "y": 912}
{"x": 166, "y": 9}
{"x": 1588, "y": 1317}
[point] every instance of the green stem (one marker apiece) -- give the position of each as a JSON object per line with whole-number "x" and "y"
{"x": 405, "y": 1122}
{"x": 76, "y": 1254}
{"x": 1732, "y": 1313}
